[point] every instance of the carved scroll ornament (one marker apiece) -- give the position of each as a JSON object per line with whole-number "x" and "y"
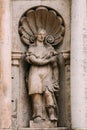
{"x": 44, "y": 18}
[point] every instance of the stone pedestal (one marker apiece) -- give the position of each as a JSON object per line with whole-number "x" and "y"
{"x": 59, "y": 128}
{"x": 47, "y": 124}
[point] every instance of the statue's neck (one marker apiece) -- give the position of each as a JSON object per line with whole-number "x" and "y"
{"x": 39, "y": 43}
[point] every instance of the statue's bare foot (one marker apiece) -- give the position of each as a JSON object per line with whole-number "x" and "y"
{"x": 37, "y": 119}
{"x": 53, "y": 118}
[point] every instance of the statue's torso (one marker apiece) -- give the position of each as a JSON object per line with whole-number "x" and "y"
{"x": 40, "y": 51}
{"x": 39, "y": 74}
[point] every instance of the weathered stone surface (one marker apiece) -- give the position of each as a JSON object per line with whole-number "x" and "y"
{"x": 6, "y": 129}
{"x": 5, "y": 65}
{"x": 59, "y": 128}
{"x": 47, "y": 124}
{"x": 24, "y": 105}
{"x": 78, "y": 65}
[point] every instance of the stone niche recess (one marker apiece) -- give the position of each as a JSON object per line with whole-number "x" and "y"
{"x": 45, "y": 13}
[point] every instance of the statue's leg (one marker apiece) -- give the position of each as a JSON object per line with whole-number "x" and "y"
{"x": 37, "y": 107}
{"x": 50, "y": 105}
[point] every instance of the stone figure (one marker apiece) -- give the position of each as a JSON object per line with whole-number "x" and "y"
{"x": 42, "y": 29}
{"x": 43, "y": 77}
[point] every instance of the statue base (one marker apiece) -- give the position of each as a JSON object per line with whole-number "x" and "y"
{"x": 43, "y": 124}
{"x": 58, "y": 128}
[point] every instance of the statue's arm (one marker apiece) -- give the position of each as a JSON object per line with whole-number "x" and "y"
{"x": 38, "y": 61}
{"x": 32, "y": 59}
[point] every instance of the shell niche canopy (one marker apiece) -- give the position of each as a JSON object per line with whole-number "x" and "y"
{"x": 45, "y": 18}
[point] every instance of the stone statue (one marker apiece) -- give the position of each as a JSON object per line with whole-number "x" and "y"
{"x": 43, "y": 78}
{"x": 42, "y": 29}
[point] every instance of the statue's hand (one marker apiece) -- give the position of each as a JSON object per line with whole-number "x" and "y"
{"x": 56, "y": 86}
{"x": 27, "y": 59}
{"x": 53, "y": 59}
{"x": 47, "y": 56}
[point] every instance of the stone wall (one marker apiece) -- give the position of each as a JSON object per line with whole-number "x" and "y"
{"x": 13, "y": 91}
{"x": 5, "y": 64}
{"x": 18, "y": 72}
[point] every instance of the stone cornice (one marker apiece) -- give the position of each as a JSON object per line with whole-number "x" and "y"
{"x": 16, "y": 55}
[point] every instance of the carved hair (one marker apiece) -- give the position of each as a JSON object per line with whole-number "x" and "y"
{"x": 41, "y": 29}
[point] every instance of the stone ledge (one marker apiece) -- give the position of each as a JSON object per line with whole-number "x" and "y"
{"x": 5, "y": 129}
{"x": 59, "y": 128}
{"x": 79, "y": 128}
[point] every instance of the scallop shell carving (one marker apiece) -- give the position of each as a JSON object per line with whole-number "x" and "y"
{"x": 45, "y": 18}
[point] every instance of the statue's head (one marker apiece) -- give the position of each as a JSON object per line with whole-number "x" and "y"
{"x": 41, "y": 35}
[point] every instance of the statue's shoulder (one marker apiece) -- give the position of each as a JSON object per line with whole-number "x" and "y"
{"x": 50, "y": 48}
{"x": 31, "y": 48}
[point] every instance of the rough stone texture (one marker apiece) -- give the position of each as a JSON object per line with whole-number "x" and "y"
{"x": 78, "y": 74}
{"x": 18, "y": 8}
{"x": 59, "y": 128}
{"x": 67, "y": 90}
{"x": 79, "y": 65}
{"x": 20, "y": 107}
{"x": 6, "y": 129}
{"x": 1, "y": 20}
{"x": 47, "y": 124}
{"x": 5, "y": 65}
{"x": 80, "y": 129}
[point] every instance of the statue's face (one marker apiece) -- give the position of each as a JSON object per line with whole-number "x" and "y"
{"x": 41, "y": 35}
